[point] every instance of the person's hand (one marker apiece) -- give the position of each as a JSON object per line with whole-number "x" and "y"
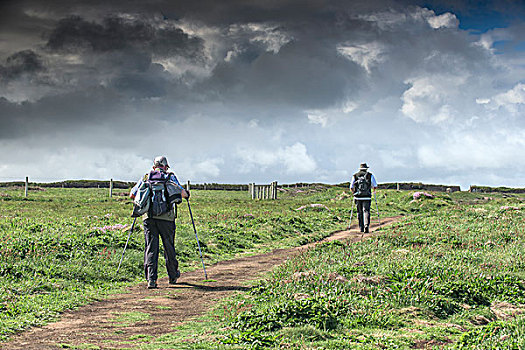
{"x": 185, "y": 194}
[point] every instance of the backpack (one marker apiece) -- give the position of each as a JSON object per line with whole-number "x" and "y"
{"x": 156, "y": 195}
{"x": 141, "y": 201}
{"x": 363, "y": 185}
{"x": 164, "y": 193}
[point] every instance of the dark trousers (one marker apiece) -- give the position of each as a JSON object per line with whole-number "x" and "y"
{"x": 153, "y": 228}
{"x": 363, "y": 213}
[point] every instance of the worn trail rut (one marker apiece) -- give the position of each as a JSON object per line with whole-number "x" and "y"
{"x": 167, "y": 306}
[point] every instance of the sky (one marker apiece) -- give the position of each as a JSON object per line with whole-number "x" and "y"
{"x": 239, "y": 91}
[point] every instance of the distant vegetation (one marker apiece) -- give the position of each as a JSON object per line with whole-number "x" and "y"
{"x": 486, "y": 189}
{"x": 409, "y": 186}
{"x": 70, "y": 184}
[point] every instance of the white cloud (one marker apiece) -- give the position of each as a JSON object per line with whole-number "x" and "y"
{"x": 388, "y": 20}
{"x": 297, "y": 160}
{"x": 512, "y": 100}
{"x": 179, "y": 67}
{"x": 349, "y": 106}
{"x": 487, "y": 40}
{"x": 467, "y": 151}
{"x": 367, "y": 55}
{"x": 269, "y": 35}
{"x": 231, "y": 54}
{"x": 208, "y": 168}
{"x": 399, "y": 158}
{"x": 72, "y": 162}
{"x": 294, "y": 159}
{"x": 431, "y": 98}
{"x": 318, "y": 118}
{"x": 446, "y": 20}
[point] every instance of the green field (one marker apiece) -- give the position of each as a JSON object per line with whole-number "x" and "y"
{"x": 449, "y": 274}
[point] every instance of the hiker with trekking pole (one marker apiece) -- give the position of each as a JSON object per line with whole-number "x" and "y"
{"x": 156, "y": 196}
{"x": 362, "y": 185}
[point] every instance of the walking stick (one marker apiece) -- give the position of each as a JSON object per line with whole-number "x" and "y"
{"x": 198, "y": 244}
{"x": 131, "y": 230}
{"x": 351, "y": 213}
{"x": 377, "y": 208}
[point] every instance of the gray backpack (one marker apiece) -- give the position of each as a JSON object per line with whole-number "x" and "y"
{"x": 156, "y": 195}
{"x": 363, "y": 185}
{"x": 142, "y": 200}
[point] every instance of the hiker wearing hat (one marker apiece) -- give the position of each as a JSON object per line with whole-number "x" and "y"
{"x": 159, "y": 219}
{"x": 362, "y": 185}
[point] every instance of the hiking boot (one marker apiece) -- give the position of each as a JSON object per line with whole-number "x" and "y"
{"x": 152, "y": 284}
{"x": 174, "y": 280}
{"x": 366, "y": 229}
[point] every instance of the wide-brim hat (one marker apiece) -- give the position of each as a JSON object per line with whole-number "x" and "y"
{"x": 161, "y": 161}
{"x": 363, "y": 166}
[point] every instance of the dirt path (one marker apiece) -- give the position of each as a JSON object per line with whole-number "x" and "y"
{"x": 166, "y": 306}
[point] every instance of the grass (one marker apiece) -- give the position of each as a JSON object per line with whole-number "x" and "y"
{"x": 442, "y": 278}
{"x": 126, "y": 319}
{"x": 449, "y": 274}
{"x": 59, "y": 248}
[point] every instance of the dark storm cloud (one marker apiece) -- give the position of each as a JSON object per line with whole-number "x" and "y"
{"x": 118, "y": 43}
{"x": 241, "y": 11}
{"x": 295, "y": 76}
{"x": 23, "y": 62}
{"x": 62, "y": 114}
{"x": 140, "y": 85}
{"x": 120, "y": 51}
{"x": 75, "y": 34}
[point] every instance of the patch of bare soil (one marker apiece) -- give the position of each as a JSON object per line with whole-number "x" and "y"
{"x": 97, "y": 324}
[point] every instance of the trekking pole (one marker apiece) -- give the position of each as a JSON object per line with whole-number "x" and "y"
{"x": 131, "y": 230}
{"x": 377, "y": 208}
{"x": 351, "y": 213}
{"x": 198, "y": 244}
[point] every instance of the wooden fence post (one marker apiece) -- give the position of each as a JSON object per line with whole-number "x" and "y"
{"x": 398, "y": 186}
{"x": 110, "y": 188}
{"x": 274, "y": 192}
{"x": 27, "y": 186}
{"x": 188, "y": 185}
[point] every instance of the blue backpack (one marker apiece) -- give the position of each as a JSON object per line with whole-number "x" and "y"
{"x": 164, "y": 193}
